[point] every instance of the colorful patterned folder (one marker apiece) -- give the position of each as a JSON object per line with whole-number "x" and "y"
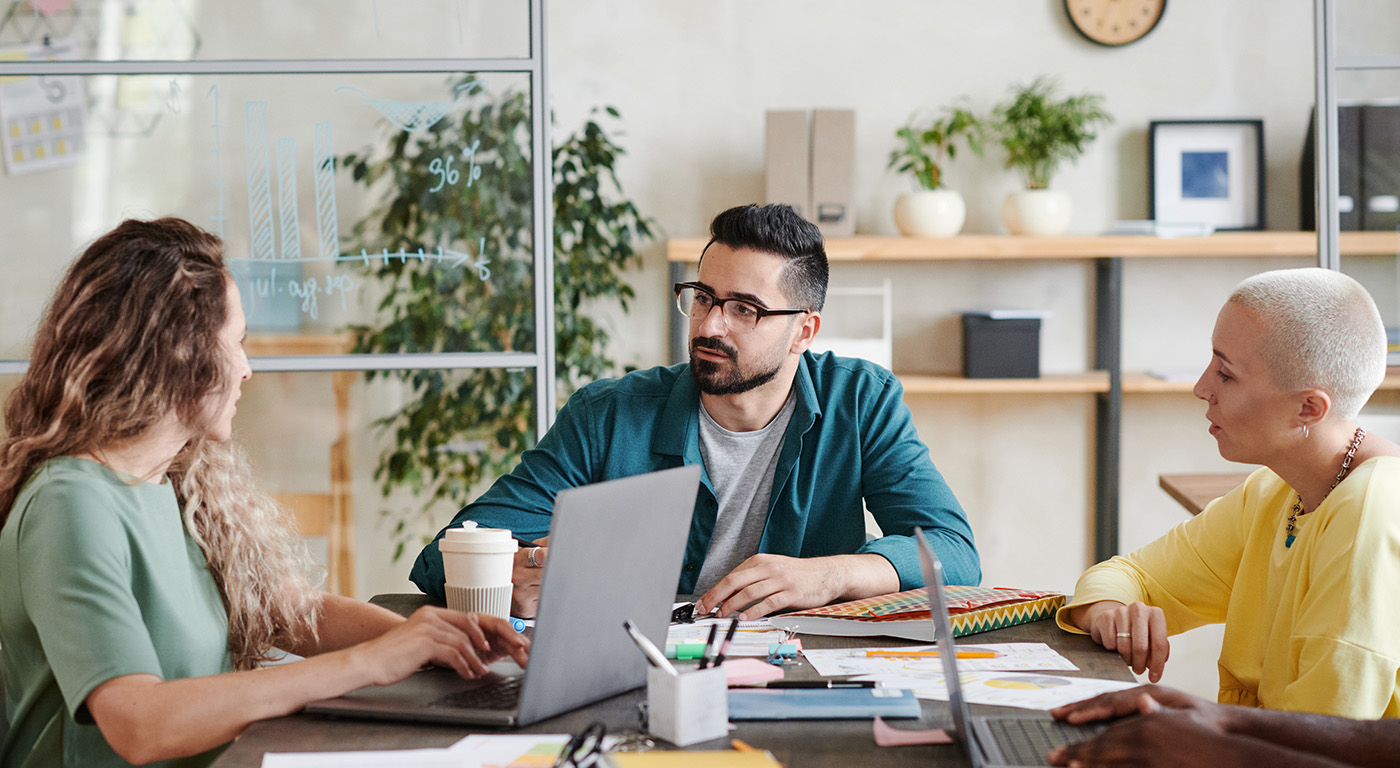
{"x": 905, "y": 614}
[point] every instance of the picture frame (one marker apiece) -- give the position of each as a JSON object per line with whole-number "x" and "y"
{"x": 1208, "y": 172}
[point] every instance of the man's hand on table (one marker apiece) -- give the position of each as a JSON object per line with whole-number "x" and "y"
{"x": 765, "y": 584}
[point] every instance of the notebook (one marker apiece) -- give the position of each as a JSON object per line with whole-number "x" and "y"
{"x": 905, "y": 614}
{"x": 821, "y": 703}
{"x": 990, "y": 740}
{"x": 615, "y": 553}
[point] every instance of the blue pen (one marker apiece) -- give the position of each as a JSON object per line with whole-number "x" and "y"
{"x": 519, "y": 624}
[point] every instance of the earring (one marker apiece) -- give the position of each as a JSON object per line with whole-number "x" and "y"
{"x": 1305, "y": 431}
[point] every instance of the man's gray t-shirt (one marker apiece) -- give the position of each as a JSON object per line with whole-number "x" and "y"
{"x": 741, "y": 467}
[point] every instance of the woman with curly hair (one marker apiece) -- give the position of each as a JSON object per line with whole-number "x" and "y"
{"x": 145, "y": 580}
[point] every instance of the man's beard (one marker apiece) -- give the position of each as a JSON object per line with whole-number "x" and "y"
{"x": 715, "y": 378}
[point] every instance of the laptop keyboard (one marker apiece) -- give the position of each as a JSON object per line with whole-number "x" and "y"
{"x": 1025, "y": 740}
{"x": 502, "y": 696}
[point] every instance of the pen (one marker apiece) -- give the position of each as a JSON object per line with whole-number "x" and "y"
{"x": 741, "y": 746}
{"x": 655, "y": 656}
{"x": 821, "y": 684}
{"x": 959, "y": 654}
{"x": 709, "y": 646}
{"x": 728, "y": 638}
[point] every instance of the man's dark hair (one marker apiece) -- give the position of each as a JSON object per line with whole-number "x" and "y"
{"x": 778, "y": 229}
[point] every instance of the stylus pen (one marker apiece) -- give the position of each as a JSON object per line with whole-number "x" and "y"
{"x": 649, "y": 649}
{"x": 728, "y": 638}
{"x": 710, "y": 649}
{"x": 821, "y": 684}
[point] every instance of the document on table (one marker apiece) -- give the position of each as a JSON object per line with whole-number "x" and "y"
{"x": 1027, "y": 690}
{"x": 750, "y": 639}
{"x": 401, "y": 758}
{"x": 478, "y": 751}
{"x": 1009, "y": 657}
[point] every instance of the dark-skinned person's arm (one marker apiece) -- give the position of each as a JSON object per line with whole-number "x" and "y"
{"x": 1221, "y": 734}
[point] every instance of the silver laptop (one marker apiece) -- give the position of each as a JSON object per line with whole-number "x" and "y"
{"x": 615, "y": 553}
{"x": 990, "y": 740}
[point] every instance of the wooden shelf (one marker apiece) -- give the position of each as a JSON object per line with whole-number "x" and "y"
{"x": 1050, "y": 384}
{"x": 272, "y": 344}
{"x": 972, "y": 247}
{"x": 1142, "y": 383}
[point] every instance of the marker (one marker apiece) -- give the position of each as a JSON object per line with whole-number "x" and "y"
{"x": 728, "y": 638}
{"x": 685, "y": 649}
{"x": 654, "y": 655}
{"x": 709, "y": 646}
{"x": 959, "y": 654}
{"x": 821, "y": 684}
{"x": 518, "y": 624}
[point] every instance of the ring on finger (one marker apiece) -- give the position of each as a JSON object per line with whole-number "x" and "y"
{"x": 1125, "y": 634}
{"x": 530, "y": 557}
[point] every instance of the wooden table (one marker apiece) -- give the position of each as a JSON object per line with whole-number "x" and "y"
{"x": 796, "y": 744}
{"x": 1196, "y": 491}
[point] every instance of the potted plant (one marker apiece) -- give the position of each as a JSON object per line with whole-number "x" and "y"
{"x": 460, "y": 429}
{"x": 933, "y": 210}
{"x": 1038, "y": 134}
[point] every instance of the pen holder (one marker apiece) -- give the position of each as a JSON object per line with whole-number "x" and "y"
{"x": 687, "y": 708}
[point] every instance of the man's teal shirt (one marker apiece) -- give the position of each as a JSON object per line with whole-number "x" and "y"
{"x": 851, "y": 438}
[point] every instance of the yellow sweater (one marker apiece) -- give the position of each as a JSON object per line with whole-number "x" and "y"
{"x": 1314, "y": 627}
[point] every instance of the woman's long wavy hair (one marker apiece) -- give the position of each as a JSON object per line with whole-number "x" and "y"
{"x": 133, "y": 334}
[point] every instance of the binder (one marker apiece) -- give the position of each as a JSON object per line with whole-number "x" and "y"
{"x": 1380, "y": 167}
{"x": 834, "y": 172}
{"x": 1349, "y": 159}
{"x": 787, "y": 156}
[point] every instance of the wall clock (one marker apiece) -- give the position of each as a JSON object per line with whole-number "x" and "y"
{"x": 1114, "y": 22}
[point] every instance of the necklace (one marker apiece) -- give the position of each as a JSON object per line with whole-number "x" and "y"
{"x": 1346, "y": 466}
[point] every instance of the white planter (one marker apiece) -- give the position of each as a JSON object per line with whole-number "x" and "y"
{"x": 930, "y": 213}
{"x": 1037, "y": 212}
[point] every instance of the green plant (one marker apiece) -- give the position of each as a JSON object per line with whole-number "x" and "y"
{"x": 464, "y": 427}
{"x": 1039, "y": 133}
{"x": 924, "y": 151}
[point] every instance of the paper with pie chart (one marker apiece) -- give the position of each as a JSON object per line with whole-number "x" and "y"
{"x": 1027, "y": 690}
{"x": 1010, "y": 657}
{"x": 1021, "y": 675}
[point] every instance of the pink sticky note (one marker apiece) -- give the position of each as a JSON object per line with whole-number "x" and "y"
{"x": 885, "y": 736}
{"x": 750, "y": 671}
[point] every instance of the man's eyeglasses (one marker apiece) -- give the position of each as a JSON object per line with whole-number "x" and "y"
{"x": 739, "y": 315}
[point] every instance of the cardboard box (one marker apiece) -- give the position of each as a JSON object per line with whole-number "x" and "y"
{"x": 788, "y": 159}
{"x": 834, "y": 172}
{"x": 1000, "y": 345}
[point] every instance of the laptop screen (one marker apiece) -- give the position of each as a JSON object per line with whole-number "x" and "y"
{"x": 947, "y": 651}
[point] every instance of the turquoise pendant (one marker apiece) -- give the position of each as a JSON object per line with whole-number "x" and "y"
{"x": 1288, "y": 542}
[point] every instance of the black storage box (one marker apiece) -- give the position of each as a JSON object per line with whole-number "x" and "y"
{"x": 1000, "y": 348}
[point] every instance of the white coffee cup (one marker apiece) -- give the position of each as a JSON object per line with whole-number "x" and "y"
{"x": 477, "y": 564}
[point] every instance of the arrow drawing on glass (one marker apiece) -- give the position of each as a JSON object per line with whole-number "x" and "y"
{"x": 413, "y": 115}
